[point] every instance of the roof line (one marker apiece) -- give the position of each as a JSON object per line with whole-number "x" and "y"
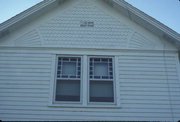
{"x": 6, "y": 27}
{"x": 135, "y": 15}
{"x": 24, "y": 14}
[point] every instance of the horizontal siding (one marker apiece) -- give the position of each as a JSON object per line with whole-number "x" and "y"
{"x": 146, "y": 93}
{"x": 79, "y": 117}
{"x": 149, "y": 82}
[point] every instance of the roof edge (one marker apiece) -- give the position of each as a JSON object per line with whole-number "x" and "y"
{"x": 16, "y": 21}
{"x": 143, "y": 19}
{"x": 152, "y": 21}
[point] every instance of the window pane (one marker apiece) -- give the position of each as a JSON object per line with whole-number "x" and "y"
{"x": 101, "y": 91}
{"x": 68, "y": 90}
{"x": 69, "y": 68}
{"x": 100, "y": 69}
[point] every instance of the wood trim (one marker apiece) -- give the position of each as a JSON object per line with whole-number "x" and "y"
{"x": 52, "y": 80}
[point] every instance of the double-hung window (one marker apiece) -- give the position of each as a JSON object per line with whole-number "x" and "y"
{"x": 101, "y": 79}
{"x": 96, "y": 85}
{"x": 68, "y": 79}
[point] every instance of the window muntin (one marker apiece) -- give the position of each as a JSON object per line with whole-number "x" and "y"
{"x": 101, "y": 80}
{"x": 69, "y": 67}
{"x": 101, "y": 68}
{"x": 68, "y": 80}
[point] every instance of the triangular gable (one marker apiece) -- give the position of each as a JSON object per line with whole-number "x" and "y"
{"x": 63, "y": 30}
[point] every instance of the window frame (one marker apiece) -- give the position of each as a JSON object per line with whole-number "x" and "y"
{"x": 111, "y": 80}
{"x": 55, "y": 82}
{"x": 84, "y": 86}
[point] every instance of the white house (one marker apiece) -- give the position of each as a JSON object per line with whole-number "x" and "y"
{"x": 83, "y": 60}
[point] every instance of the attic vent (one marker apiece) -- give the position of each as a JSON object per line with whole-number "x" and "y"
{"x": 86, "y": 24}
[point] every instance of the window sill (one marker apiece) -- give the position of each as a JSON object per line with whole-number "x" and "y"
{"x": 112, "y": 106}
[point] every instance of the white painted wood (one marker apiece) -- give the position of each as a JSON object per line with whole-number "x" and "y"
{"x": 60, "y": 27}
{"x": 55, "y": 113}
{"x": 27, "y": 67}
{"x": 117, "y": 82}
{"x": 85, "y": 78}
{"x": 142, "y": 95}
{"x": 87, "y": 118}
{"x": 52, "y": 81}
{"x": 31, "y": 38}
{"x": 87, "y": 51}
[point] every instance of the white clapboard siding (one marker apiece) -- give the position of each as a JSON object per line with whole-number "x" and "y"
{"x": 80, "y": 118}
{"x": 148, "y": 83}
{"x": 147, "y": 78}
{"x": 12, "y": 94}
{"x": 42, "y": 107}
{"x": 24, "y": 82}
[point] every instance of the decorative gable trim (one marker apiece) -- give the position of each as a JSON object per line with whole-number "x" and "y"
{"x": 31, "y": 38}
{"x": 131, "y": 12}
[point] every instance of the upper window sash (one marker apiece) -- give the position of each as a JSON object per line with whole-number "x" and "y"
{"x": 100, "y": 68}
{"x": 69, "y": 68}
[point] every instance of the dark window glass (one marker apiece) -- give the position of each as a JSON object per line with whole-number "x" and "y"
{"x": 68, "y": 90}
{"x": 101, "y": 91}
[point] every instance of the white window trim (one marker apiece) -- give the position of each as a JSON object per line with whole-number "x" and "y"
{"x": 84, "y": 83}
{"x": 55, "y": 83}
{"x": 113, "y": 80}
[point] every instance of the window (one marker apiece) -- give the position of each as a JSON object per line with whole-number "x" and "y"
{"x": 101, "y": 80}
{"x": 68, "y": 79}
{"x": 84, "y": 80}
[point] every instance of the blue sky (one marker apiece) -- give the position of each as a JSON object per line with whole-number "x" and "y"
{"x": 165, "y": 11}
{"x": 10, "y": 8}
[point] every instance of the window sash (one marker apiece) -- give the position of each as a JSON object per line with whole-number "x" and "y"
{"x": 93, "y": 65}
{"x": 62, "y": 80}
{"x": 101, "y": 79}
{"x": 76, "y": 61}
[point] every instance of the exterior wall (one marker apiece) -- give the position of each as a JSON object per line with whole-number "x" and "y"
{"x": 148, "y": 67}
{"x": 148, "y": 83}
